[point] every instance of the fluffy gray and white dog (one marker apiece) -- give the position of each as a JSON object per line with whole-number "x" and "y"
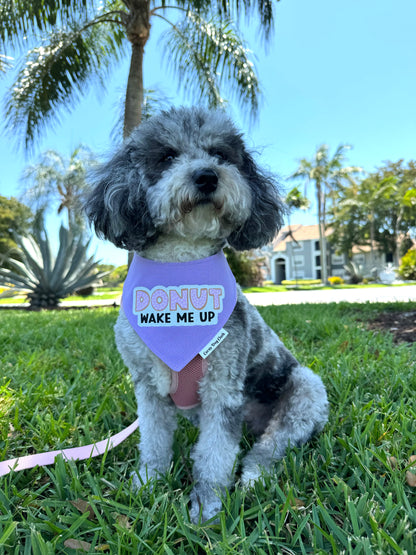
{"x": 180, "y": 188}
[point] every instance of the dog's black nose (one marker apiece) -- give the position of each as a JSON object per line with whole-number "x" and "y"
{"x": 206, "y": 180}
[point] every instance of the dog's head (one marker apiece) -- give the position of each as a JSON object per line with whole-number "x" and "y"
{"x": 185, "y": 171}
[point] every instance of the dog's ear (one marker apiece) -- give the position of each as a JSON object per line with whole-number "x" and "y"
{"x": 117, "y": 205}
{"x": 267, "y": 211}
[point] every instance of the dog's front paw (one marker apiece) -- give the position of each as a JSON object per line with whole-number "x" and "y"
{"x": 205, "y": 504}
{"x": 250, "y": 476}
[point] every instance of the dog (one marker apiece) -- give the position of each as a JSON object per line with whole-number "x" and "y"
{"x": 178, "y": 190}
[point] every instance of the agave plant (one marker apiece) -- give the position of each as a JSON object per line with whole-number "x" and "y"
{"x": 355, "y": 271}
{"x": 46, "y": 278}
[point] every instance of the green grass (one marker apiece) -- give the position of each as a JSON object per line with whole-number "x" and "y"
{"x": 102, "y": 294}
{"x": 63, "y": 384}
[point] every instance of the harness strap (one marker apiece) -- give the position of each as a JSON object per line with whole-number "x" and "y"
{"x": 185, "y": 384}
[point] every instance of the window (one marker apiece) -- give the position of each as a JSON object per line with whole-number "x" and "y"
{"x": 317, "y": 246}
{"x": 337, "y": 259}
{"x": 318, "y": 260}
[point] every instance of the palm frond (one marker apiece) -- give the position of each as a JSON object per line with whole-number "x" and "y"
{"x": 205, "y": 54}
{"x": 234, "y": 9}
{"x": 6, "y": 62}
{"x": 20, "y": 17}
{"x": 56, "y": 73}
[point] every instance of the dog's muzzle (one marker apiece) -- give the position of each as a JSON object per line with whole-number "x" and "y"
{"x": 206, "y": 181}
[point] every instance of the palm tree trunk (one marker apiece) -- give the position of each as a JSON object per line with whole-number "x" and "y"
{"x": 134, "y": 99}
{"x": 322, "y": 240}
{"x": 138, "y": 31}
{"x": 372, "y": 241}
{"x": 134, "y": 92}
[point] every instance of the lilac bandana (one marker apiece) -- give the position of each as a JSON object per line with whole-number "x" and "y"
{"x": 178, "y": 308}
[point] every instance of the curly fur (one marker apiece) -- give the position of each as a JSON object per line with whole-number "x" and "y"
{"x": 180, "y": 188}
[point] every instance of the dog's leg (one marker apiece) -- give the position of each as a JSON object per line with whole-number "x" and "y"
{"x": 214, "y": 456}
{"x": 157, "y": 421}
{"x": 301, "y": 411}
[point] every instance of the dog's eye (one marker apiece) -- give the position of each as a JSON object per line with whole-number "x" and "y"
{"x": 219, "y": 154}
{"x": 169, "y": 156}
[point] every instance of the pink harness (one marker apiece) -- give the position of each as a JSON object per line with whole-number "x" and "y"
{"x": 179, "y": 310}
{"x": 185, "y": 384}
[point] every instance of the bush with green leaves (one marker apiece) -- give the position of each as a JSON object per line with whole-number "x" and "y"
{"x": 246, "y": 270}
{"x": 45, "y": 278}
{"x": 407, "y": 268}
{"x": 118, "y": 275}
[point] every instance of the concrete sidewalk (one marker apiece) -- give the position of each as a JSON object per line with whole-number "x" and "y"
{"x": 404, "y": 293}
{"x": 373, "y": 295}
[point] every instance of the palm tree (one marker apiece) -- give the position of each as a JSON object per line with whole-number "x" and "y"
{"x": 326, "y": 173}
{"x": 78, "y": 41}
{"x": 56, "y": 180}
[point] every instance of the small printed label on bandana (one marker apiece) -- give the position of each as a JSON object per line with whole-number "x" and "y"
{"x": 213, "y": 344}
{"x": 187, "y": 305}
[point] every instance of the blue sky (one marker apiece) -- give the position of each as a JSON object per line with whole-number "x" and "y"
{"x": 335, "y": 72}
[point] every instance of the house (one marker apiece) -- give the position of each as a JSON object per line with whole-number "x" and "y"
{"x": 296, "y": 254}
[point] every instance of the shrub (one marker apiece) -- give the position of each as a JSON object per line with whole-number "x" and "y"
{"x": 301, "y": 282}
{"x": 246, "y": 270}
{"x": 118, "y": 275}
{"x": 335, "y": 280}
{"x": 86, "y": 291}
{"x": 407, "y": 268}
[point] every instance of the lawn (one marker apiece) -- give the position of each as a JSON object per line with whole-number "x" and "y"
{"x": 64, "y": 385}
{"x": 104, "y": 293}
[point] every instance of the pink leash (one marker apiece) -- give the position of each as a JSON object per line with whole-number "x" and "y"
{"x": 184, "y": 393}
{"x": 74, "y": 454}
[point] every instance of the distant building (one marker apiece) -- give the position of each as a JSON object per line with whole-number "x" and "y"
{"x": 296, "y": 254}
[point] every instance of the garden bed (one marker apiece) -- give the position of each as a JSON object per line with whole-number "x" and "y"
{"x": 401, "y": 324}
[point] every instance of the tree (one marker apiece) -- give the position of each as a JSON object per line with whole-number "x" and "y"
{"x": 399, "y": 206}
{"x": 355, "y": 212}
{"x": 327, "y": 174}
{"x": 379, "y": 210}
{"x": 81, "y": 39}
{"x": 57, "y": 181}
{"x": 346, "y": 220}
{"x": 15, "y": 217}
{"x": 294, "y": 200}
